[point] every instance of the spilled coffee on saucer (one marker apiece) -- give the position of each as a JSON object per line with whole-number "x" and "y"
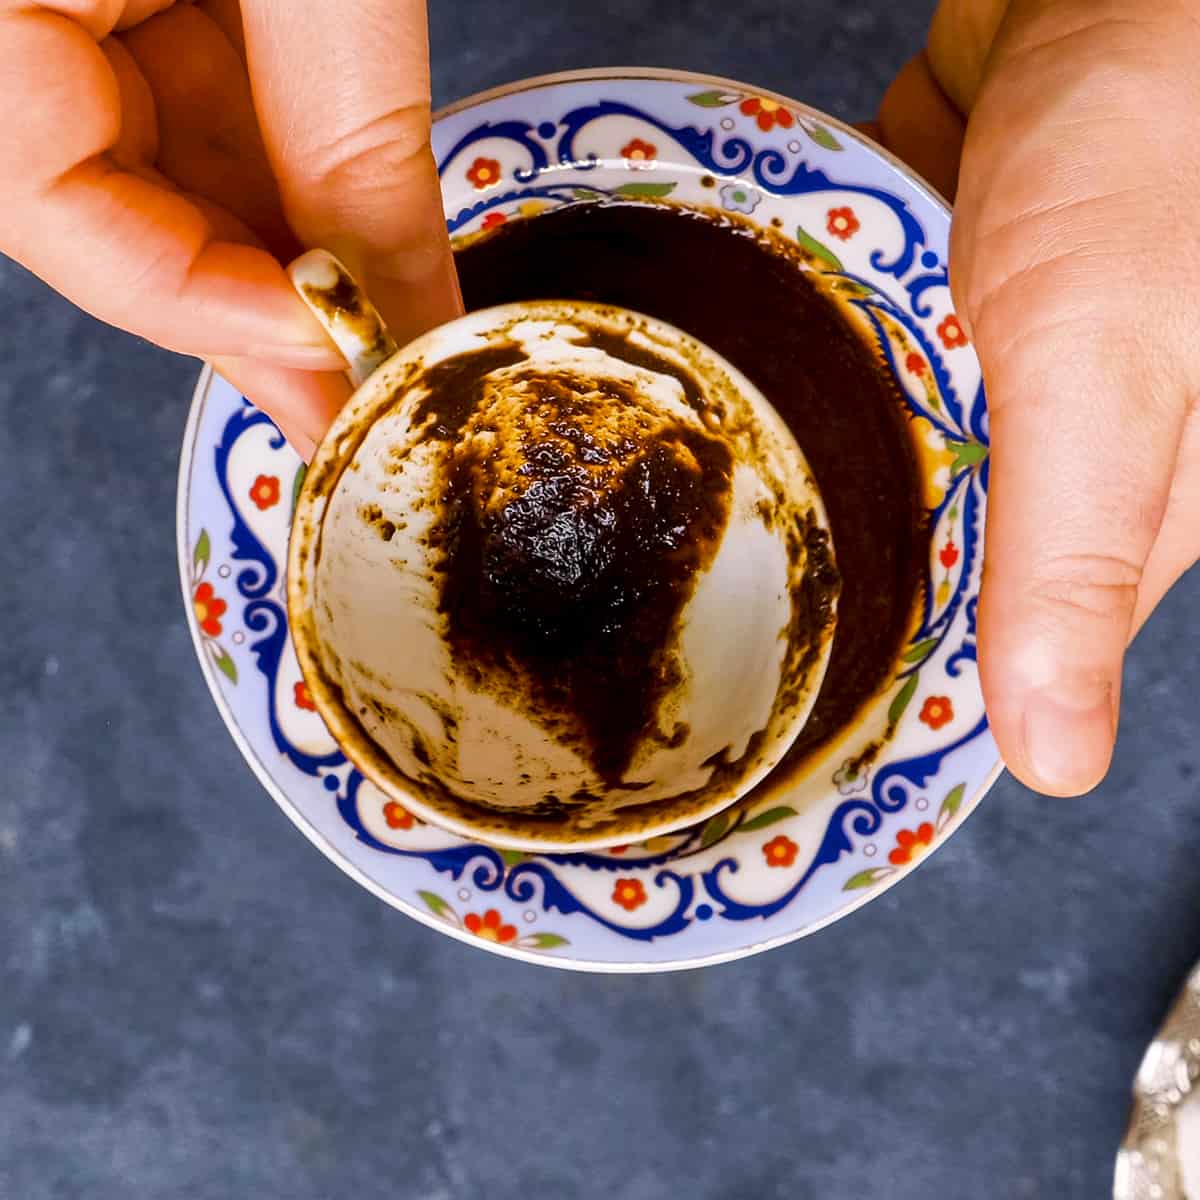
{"x": 746, "y": 294}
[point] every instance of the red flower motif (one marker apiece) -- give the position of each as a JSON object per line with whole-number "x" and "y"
{"x": 842, "y": 223}
{"x": 303, "y": 696}
{"x": 916, "y": 364}
{"x": 937, "y": 711}
{"x": 484, "y": 173}
{"x": 489, "y": 927}
{"x": 768, "y": 113}
{"x": 493, "y": 220}
{"x": 911, "y": 844}
{"x": 208, "y": 609}
{"x": 618, "y": 849}
{"x": 638, "y": 151}
{"x": 948, "y": 554}
{"x": 780, "y": 851}
{"x": 951, "y": 333}
{"x": 265, "y": 492}
{"x": 397, "y": 816}
{"x": 629, "y": 894}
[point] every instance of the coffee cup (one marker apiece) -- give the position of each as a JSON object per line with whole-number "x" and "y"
{"x": 559, "y": 576}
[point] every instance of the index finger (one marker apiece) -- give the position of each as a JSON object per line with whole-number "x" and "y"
{"x": 343, "y": 96}
{"x": 120, "y": 244}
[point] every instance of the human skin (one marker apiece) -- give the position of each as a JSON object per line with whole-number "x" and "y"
{"x": 1069, "y": 247}
{"x": 162, "y": 191}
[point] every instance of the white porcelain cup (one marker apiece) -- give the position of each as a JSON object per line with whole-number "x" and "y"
{"x": 559, "y": 575}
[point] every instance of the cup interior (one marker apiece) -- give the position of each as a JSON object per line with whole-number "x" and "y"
{"x": 752, "y": 671}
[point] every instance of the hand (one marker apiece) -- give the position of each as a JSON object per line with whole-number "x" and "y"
{"x": 159, "y": 161}
{"x": 1072, "y": 262}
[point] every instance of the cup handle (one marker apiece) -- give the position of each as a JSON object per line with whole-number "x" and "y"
{"x": 341, "y": 306}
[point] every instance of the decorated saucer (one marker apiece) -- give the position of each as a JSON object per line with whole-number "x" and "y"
{"x": 869, "y": 807}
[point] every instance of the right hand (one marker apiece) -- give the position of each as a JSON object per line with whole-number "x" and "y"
{"x": 1070, "y": 257}
{"x": 161, "y": 160}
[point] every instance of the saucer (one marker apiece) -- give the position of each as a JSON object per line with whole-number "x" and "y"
{"x": 868, "y": 807}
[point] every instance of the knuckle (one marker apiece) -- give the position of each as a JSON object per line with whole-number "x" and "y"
{"x": 370, "y": 153}
{"x": 1048, "y": 256}
{"x": 1103, "y": 57}
{"x": 1092, "y": 588}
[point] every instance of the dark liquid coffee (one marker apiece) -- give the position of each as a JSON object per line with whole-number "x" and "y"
{"x": 745, "y": 295}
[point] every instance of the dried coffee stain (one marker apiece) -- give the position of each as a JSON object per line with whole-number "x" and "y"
{"x": 344, "y": 307}
{"x": 372, "y": 516}
{"x": 575, "y": 521}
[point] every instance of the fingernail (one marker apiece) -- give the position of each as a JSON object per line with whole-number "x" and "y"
{"x": 409, "y": 308}
{"x": 303, "y": 445}
{"x": 1068, "y": 749}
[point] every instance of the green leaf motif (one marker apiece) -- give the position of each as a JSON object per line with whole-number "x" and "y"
{"x": 225, "y": 664}
{"x": 920, "y": 651}
{"x": 547, "y": 941}
{"x": 902, "y": 700}
{"x": 966, "y": 454}
{"x": 298, "y": 483}
{"x": 951, "y": 803}
{"x": 513, "y": 857}
{"x": 866, "y": 878}
{"x": 436, "y": 904}
{"x": 851, "y": 287}
{"x": 770, "y": 817}
{"x": 822, "y": 136}
{"x": 645, "y": 189}
{"x": 203, "y": 549}
{"x": 714, "y": 99}
{"x": 714, "y": 829}
{"x": 819, "y": 250}
{"x": 588, "y": 194}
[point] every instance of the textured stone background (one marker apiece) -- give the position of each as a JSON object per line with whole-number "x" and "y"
{"x": 194, "y": 1003}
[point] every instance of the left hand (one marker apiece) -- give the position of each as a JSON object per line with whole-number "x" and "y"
{"x": 1071, "y": 259}
{"x": 162, "y": 159}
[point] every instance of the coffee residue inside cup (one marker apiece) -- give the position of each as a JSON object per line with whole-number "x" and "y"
{"x": 574, "y": 523}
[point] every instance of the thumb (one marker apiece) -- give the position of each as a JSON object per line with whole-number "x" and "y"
{"x": 343, "y": 97}
{"x": 1083, "y": 446}
{"x": 1087, "y": 394}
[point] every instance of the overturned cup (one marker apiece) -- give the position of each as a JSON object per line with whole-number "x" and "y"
{"x": 559, "y": 576}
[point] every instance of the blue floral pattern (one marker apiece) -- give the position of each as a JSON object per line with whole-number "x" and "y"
{"x": 738, "y": 198}
{"x": 718, "y": 890}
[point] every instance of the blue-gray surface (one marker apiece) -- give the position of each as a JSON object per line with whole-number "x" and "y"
{"x": 196, "y": 1004}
